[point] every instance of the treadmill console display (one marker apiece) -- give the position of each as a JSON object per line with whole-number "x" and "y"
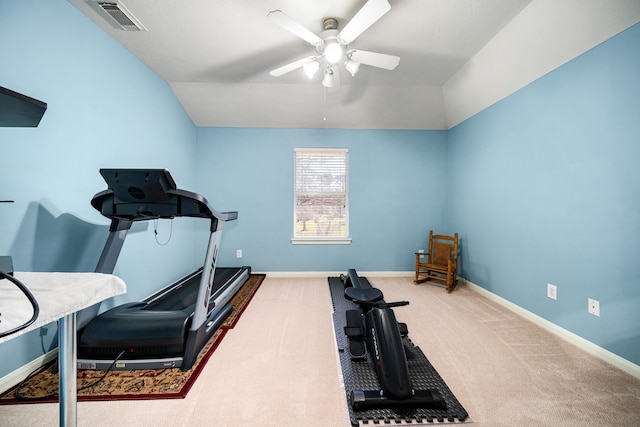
{"x": 139, "y": 185}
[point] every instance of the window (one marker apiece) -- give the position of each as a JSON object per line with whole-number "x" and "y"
{"x": 321, "y": 213}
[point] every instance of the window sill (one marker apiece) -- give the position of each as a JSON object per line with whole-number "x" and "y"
{"x": 321, "y": 241}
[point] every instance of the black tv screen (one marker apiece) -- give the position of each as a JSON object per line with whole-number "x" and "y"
{"x": 17, "y": 110}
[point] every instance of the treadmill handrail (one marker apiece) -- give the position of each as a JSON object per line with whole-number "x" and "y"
{"x": 181, "y": 203}
{"x": 146, "y": 194}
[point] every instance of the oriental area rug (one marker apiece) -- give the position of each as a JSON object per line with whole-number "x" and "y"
{"x": 42, "y": 386}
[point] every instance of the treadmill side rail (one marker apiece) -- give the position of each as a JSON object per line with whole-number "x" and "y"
{"x": 206, "y": 280}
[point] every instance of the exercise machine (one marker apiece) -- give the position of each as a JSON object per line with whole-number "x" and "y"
{"x": 168, "y": 329}
{"x": 372, "y": 328}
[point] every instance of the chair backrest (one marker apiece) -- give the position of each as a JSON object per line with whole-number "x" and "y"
{"x": 442, "y": 248}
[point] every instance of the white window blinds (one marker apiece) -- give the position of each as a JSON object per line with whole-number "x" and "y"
{"x": 321, "y": 196}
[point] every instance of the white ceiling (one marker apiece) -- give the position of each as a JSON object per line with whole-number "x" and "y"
{"x": 216, "y": 56}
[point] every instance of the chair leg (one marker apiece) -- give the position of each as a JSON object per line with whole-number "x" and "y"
{"x": 452, "y": 281}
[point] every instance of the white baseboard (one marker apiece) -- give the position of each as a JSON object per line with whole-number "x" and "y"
{"x": 591, "y": 348}
{"x": 285, "y": 274}
{"x": 23, "y": 372}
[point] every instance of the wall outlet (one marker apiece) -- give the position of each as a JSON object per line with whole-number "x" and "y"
{"x": 594, "y": 307}
{"x": 421, "y": 251}
{"x": 552, "y": 291}
{"x": 238, "y": 253}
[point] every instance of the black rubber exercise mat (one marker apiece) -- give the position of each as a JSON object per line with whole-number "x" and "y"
{"x": 361, "y": 375}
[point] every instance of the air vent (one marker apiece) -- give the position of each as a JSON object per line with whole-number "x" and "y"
{"x": 118, "y": 15}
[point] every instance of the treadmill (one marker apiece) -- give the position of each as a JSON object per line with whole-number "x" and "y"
{"x": 170, "y": 328}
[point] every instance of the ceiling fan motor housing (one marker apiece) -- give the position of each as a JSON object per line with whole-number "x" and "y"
{"x": 330, "y": 24}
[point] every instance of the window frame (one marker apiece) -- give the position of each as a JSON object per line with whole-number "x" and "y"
{"x": 321, "y": 240}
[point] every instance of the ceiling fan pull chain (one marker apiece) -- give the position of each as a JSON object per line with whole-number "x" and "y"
{"x": 324, "y": 105}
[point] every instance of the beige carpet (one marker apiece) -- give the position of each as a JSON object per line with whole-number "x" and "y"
{"x": 279, "y": 368}
{"x": 507, "y": 371}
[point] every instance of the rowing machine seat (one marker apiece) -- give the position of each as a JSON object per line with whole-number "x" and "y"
{"x": 363, "y": 294}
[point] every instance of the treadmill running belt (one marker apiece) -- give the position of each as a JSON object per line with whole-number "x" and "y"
{"x": 184, "y": 293}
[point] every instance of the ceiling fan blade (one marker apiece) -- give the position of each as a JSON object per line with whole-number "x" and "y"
{"x": 293, "y": 66}
{"x": 380, "y": 60}
{"x": 367, "y": 16}
{"x": 286, "y": 22}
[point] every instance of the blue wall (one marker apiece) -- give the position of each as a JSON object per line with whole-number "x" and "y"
{"x": 105, "y": 109}
{"x": 397, "y": 185}
{"x": 546, "y": 189}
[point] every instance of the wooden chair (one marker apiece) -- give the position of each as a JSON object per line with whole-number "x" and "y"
{"x": 440, "y": 262}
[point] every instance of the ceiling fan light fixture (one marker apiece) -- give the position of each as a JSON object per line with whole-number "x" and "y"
{"x": 352, "y": 66}
{"x": 328, "y": 80}
{"x": 311, "y": 68}
{"x": 333, "y": 52}
{"x": 332, "y": 45}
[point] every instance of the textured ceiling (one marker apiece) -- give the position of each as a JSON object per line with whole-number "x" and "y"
{"x": 216, "y": 57}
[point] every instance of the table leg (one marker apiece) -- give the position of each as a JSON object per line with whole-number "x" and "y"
{"x": 67, "y": 370}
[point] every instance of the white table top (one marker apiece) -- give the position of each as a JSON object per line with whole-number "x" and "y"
{"x": 58, "y": 294}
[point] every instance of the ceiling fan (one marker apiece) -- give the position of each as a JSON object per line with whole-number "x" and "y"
{"x": 332, "y": 46}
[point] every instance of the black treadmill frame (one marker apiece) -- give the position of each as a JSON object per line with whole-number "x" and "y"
{"x": 146, "y": 194}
